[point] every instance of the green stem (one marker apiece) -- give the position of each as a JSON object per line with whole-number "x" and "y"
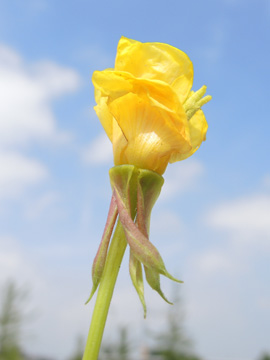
{"x": 105, "y": 292}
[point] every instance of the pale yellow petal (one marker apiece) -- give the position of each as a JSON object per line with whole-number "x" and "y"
{"x": 150, "y": 132}
{"x": 112, "y": 129}
{"x": 105, "y": 116}
{"x": 153, "y": 61}
{"x": 119, "y": 145}
{"x": 198, "y": 128}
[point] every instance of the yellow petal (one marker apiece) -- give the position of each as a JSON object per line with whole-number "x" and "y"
{"x": 155, "y": 61}
{"x": 105, "y": 116}
{"x": 119, "y": 145}
{"x": 112, "y": 129}
{"x": 159, "y": 92}
{"x": 111, "y": 83}
{"x": 198, "y": 128}
{"x": 150, "y": 132}
{"x": 114, "y": 84}
{"x": 182, "y": 86}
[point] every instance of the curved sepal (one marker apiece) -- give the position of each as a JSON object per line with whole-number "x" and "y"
{"x": 153, "y": 280}
{"x": 141, "y": 247}
{"x": 135, "y": 270}
{"x": 148, "y": 191}
{"x": 135, "y": 192}
{"x": 100, "y": 258}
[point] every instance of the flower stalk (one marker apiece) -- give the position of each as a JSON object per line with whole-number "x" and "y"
{"x": 105, "y": 292}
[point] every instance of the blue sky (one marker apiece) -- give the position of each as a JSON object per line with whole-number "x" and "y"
{"x": 211, "y": 223}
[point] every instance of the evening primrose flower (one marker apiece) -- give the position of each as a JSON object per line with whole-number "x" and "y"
{"x": 152, "y": 118}
{"x": 146, "y": 105}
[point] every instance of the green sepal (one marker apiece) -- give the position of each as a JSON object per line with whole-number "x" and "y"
{"x": 153, "y": 280}
{"x": 124, "y": 180}
{"x": 148, "y": 191}
{"x": 141, "y": 247}
{"x": 135, "y": 270}
{"x": 136, "y": 191}
{"x": 139, "y": 244}
{"x": 100, "y": 258}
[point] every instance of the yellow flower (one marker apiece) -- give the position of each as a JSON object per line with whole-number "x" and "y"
{"x": 146, "y": 105}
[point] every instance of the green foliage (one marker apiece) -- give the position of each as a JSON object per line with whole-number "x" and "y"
{"x": 119, "y": 351}
{"x": 78, "y": 353}
{"x": 173, "y": 343}
{"x": 10, "y": 322}
{"x": 265, "y": 357}
{"x": 123, "y": 348}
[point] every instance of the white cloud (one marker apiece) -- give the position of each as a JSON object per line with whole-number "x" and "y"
{"x": 18, "y": 172}
{"x": 249, "y": 216}
{"x": 266, "y": 181}
{"x": 36, "y": 208}
{"x": 54, "y": 79}
{"x": 99, "y": 151}
{"x": 13, "y": 262}
{"x": 214, "y": 261}
{"x": 181, "y": 178}
{"x": 10, "y": 259}
{"x": 167, "y": 225}
{"x": 264, "y": 303}
{"x": 228, "y": 274}
{"x": 26, "y": 117}
{"x": 168, "y": 222}
{"x": 25, "y": 92}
